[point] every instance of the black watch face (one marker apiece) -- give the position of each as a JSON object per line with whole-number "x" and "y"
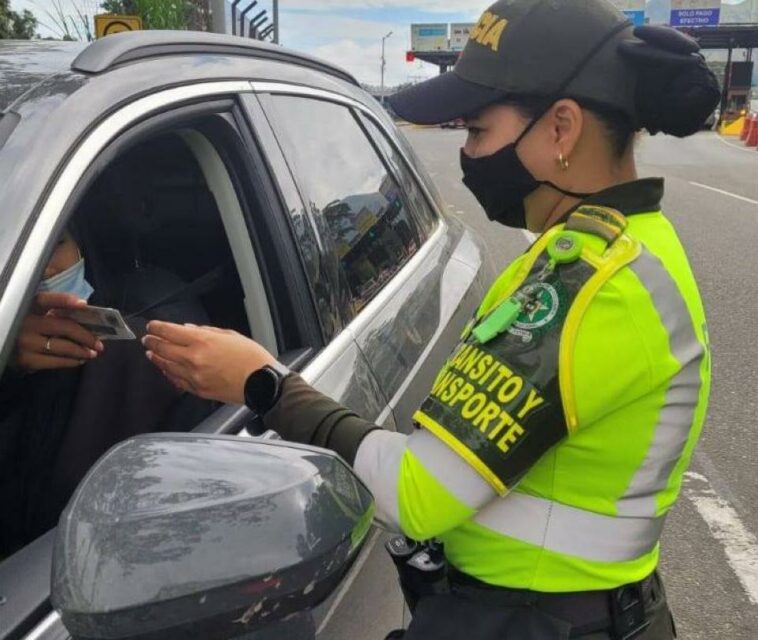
{"x": 260, "y": 390}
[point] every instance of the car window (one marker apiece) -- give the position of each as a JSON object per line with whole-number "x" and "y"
{"x": 158, "y": 234}
{"x": 420, "y": 207}
{"x": 350, "y": 189}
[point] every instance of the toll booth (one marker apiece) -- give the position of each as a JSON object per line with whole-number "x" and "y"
{"x": 445, "y": 60}
{"x": 737, "y": 78}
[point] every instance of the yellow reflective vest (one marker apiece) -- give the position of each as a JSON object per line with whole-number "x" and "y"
{"x": 554, "y": 441}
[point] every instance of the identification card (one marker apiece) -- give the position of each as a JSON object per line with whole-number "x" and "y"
{"x": 105, "y": 323}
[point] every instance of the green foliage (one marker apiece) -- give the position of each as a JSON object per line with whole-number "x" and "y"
{"x": 14, "y": 25}
{"x": 26, "y": 25}
{"x": 162, "y": 14}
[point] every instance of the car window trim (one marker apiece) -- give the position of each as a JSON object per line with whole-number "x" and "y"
{"x": 264, "y": 180}
{"x": 47, "y": 625}
{"x": 290, "y": 193}
{"x": 47, "y": 222}
{"x": 231, "y": 211}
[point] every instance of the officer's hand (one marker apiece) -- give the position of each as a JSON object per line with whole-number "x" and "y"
{"x": 211, "y": 363}
{"x": 49, "y": 342}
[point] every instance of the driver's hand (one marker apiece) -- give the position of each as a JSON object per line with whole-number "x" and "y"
{"x": 209, "y": 362}
{"x": 49, "y": 342}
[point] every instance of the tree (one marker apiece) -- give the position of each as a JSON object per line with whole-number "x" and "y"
{"x": 163, "y": 14}
{"x": 26, "y": 25}
{"x": 16, "y": 26}
{"x": 6, "y": 23}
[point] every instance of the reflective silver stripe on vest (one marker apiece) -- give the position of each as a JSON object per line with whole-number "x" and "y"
{"x": 571, "y": 531}
{"x": 377, "y": 463}
{"x": 678, "y": 412}
{"x": 450, "y": 469}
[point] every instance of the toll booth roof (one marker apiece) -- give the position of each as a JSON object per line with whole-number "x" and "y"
{"x": 725, "y": 36}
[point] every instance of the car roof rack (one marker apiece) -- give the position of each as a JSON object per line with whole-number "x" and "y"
{"x": 122, "y": 48}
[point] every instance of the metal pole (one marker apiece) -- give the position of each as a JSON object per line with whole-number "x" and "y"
{"x": 267, "y": 32}
{"x": 256, "y": 22}
{"x": 234, "y": 18}
{"x": 242, "y": 17}
{"x": 384, "y": 64}
{"x": 218, "y": 15}
{"x": 382, "y": 73}
{"x": 727, "y": 86}
{"x": 276, "y": 21}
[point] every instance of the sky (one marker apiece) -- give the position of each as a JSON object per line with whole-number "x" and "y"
{"x": 346, "y": 32}
{"x": 349, "y": 32}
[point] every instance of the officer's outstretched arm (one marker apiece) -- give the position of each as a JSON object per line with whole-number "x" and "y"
{"x": 483, "y": 425}
{"x": 423, "y": 485}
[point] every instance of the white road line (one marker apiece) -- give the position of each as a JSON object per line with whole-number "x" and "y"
{"x": 354, "y": 571}
{"x": 740, "y": 545}
{"x": 724, "y": 193}
{"x": 734, "y": 146}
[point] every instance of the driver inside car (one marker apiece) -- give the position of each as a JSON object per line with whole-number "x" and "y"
{"x": 67, "y": 396}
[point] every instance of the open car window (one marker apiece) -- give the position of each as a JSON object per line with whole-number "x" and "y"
{"x": 163, "y": 230}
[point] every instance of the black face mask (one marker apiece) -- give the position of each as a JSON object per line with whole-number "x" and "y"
{"x": 501, "y": 183}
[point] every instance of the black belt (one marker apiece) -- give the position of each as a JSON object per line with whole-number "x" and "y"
{"x": 621, "y": 611}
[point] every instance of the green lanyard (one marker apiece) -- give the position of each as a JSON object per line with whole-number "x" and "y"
{"x": 566, "y": 247}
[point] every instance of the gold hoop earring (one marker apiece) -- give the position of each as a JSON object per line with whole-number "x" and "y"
{"x": 563, "y": 161}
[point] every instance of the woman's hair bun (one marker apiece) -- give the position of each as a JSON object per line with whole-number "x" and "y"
{"x": 676, "y": 91}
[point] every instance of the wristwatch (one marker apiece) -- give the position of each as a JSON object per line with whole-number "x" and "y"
{"x": 264, "y": 387}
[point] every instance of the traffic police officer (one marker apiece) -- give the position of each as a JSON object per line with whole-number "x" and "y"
{"x": 554, "y": 440}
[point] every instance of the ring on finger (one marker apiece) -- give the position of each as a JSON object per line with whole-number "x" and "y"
{"x": 47, "y": 348}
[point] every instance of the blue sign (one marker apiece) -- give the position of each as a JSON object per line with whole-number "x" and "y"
{"x": 695, "y": 17}
{"x": 432, "y": 31}
{"x": 637, "y": 17}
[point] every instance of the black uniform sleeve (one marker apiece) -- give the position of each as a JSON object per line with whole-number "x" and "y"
{"x": 305, "y": 415}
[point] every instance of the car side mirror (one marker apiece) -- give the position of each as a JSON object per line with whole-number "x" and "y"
{"x": 202, "y": 536}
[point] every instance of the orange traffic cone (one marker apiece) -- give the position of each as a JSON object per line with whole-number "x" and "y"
{"x": 752, "y": 136}
{"x": 749, "y": 120}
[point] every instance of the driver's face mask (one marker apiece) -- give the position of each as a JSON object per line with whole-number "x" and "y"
{"x": 71, "y": 280}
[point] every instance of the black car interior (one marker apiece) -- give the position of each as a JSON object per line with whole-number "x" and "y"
{"x": 154, "y": 246}
{"x": 151, "y": 214}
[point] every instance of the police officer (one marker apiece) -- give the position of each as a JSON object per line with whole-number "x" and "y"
{"x": 554, "y": 440}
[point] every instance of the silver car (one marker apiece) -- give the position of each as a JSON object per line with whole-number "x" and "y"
{"x": 261, "y": 184}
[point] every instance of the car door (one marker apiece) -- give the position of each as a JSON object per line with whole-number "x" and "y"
{"x": 273, "y": 295}
{"x": 407, "y": 277}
